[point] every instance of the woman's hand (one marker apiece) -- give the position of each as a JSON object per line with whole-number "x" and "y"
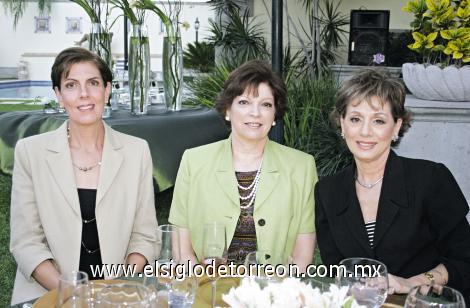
{"x": 399, "y": 285}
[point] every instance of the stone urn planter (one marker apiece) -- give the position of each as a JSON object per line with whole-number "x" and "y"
{"x": 440, "y": 84}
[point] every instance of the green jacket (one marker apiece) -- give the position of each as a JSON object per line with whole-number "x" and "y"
{"x": 206, "y": 190}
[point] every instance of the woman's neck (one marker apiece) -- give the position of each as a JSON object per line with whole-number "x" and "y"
{"x": 87, "y": 138}
{"x": 370, "y": 171}
{"x": 247, "y": 156}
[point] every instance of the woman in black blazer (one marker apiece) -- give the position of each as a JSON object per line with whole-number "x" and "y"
{"x": 407, "y": 213}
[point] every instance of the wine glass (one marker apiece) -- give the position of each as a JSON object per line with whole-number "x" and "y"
{"x": 183, "y": 292}
{"x": 132, "y": 295}
{"x": 436, "y": 296}
{"x": 214, "y": 251}
{"x": 268, "y": 266}
{"x": 367, "y": 280}
{"x": 71, "y": 288}
{"x": 169, "y": 256}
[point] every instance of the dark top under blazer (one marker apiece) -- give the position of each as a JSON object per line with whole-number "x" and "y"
{"x": 420, "y": 221}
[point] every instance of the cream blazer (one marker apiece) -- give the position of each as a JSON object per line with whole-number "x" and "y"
{"x": 45, "y": 211}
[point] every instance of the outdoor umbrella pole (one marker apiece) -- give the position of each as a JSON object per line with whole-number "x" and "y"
{"x": 277, "y": 131}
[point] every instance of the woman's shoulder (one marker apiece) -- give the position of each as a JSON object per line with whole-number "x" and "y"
{"x": 207, "y": 149}
{"x": 290, "y": 155}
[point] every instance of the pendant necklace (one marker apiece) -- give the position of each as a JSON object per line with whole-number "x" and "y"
{"x": 82, "y": 168}
{"x": 369, "y": 186}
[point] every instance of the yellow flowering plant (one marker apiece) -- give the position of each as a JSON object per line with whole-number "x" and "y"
{"x": 441, "y": 31}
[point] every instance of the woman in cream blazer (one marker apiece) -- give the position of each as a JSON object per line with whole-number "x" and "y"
{"x": 46, "y": 218}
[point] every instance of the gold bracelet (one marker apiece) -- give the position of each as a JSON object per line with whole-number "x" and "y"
{"x": 430, "y": 277}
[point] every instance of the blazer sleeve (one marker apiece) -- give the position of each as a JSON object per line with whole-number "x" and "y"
{"x": 143, "y": 238}
{"x": 329, "y": 252}
{"x": 178, "y": 211}
{"x": 28, "y": 242}
{"x": 307, "y": 222}
{"x": 447, "y": 209}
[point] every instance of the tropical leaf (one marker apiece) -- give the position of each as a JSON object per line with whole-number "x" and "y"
{"x": 199, "y": 56}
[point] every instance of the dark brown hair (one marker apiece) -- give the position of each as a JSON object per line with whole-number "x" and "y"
{"x": 249, "y": 76}
{"x": 67, "y": 57}
{"x": 371, "y": 83}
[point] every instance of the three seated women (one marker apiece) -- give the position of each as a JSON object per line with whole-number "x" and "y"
{"x": 68, "y": 203}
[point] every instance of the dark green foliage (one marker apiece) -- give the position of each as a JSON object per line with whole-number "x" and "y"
{"x": 239, "y": 35}
{"x": 307, "y": 126}
{"x": 199, "y": 56}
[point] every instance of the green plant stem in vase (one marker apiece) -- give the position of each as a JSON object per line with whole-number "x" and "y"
{"x": 173, "y": 68}
{"x": 139, "y": 69}
{"x": 100, "y": 43}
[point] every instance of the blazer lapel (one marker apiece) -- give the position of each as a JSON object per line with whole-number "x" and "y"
{"x": 110, "y": 162}
{"x": 269, "y": 175}
{"x": 350, "y": 210}
{"x": 60, "y": 165}
{"x": 225, "y": 174}
{"x": 393, "y": 196}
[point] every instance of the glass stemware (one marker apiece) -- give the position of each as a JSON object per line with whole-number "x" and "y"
{"x": 367, "y": 280}
{"x": 266, "y": 266}
{"x": 71, "y": 287}
{"x": 160, "y": 281}
{"x": 436, "y": 296}
{"x": 183, "y": 292}
{"x": 214, "y": 250}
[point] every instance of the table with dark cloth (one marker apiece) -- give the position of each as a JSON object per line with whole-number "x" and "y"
{"x": 168, "y": 134}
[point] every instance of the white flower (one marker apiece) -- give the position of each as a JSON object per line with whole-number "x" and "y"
{"x": 290, "y": 292}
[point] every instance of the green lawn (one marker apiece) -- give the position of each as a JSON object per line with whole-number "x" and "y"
{"x": 7, "y": 264}
{"x": 19, "y": 107}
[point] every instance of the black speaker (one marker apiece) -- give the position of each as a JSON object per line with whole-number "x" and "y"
{"x": 368, "y": 35}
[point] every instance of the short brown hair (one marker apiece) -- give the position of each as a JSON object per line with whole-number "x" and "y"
{"x": 67, "y": 57}
{"x": 371, "y": 83}
{"x": 249, "y": 76}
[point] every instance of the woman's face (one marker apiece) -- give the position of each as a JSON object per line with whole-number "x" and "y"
{"x": 83, "y": 94}
{"x": 369, "y": 130}
{"x": 251, "y": 117}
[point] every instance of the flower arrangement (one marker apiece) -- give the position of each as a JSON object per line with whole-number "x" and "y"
{"x": 441, "y": 30}
{"x": 130, "y": 10}
{"x": 291, "y": 292}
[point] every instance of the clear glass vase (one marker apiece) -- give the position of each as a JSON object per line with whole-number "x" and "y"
{"x": 100, "y": 43}
{"x": 139, "y": 69}
{"x": 173, "y": 69}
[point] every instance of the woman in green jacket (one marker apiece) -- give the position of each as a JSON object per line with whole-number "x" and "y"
{"x": 262, "y": 191}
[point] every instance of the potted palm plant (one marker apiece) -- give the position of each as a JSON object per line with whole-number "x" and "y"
{"x": 441, "y": 33}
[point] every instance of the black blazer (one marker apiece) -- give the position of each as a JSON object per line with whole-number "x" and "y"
{"x": 420, "y": 221}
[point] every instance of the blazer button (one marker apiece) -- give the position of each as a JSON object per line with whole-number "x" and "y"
{"x": 261, "y": 222}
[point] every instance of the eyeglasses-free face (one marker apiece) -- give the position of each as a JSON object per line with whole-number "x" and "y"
{"x": 251, "y": 115}
{"x": 83, "y": 93}
{"x": 369, "y": 129}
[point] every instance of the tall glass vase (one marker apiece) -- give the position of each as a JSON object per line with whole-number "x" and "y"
{"x": 139, "y": 69}
{"x": 100, "y": 43}
{"x": 173, "y": 69}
